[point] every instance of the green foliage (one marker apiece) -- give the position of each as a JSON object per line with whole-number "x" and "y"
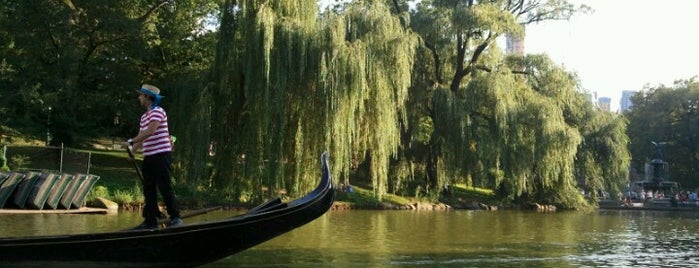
{"x": 481, "y": 193}
{"x": 418, "y": 99}
{"x": 368, "y": 70}
{"x": 98, "y": 191}
{"x": 125, "y": 199}
{"x": 61, "y": 53}
{"x": 19, "y": 162}
{"x": 137, "y": 192}
{"x": 299, "y": 88}
{"x": 362, "y": 199}
{"x": 667, "y": 114}
{"x": 464, "y": 195}
{"x": 365, "y": 198}
{"x": 519, "y": 133}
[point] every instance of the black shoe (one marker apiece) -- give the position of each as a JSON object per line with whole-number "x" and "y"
{"x": 146, "y": 226}
{"x": 174, "y": 222}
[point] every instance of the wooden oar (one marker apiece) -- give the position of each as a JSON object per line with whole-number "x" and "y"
{"x": 191, "y": 214}
{"x": 135, "y": 164}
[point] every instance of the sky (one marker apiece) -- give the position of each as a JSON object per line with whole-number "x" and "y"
{"x": 623, "y": 44}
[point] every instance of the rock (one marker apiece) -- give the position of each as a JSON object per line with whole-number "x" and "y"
{"x": 543, "y": 208}
{"x": 111, "y": 206}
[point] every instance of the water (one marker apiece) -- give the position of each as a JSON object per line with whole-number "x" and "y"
{"x": 482, "y": 239}
{"x": 12, "y": 225}
{"x": 362, "y": 238}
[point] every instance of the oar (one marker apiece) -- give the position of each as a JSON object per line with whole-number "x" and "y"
{"x": 192, "y": 213}
{"x": 135, "y": 164}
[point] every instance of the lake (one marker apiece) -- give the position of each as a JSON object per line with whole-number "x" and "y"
{"x": 460, "y": 238}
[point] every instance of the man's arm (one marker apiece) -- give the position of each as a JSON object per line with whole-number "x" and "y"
{"x": 142, "y": 135}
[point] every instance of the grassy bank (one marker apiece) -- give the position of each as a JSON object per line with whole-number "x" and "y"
{"x": 120, "y": 183}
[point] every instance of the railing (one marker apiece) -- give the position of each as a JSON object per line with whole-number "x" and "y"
{"x": 47, "y": 158}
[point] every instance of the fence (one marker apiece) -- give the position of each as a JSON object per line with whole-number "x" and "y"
{"x": 47, "y": 159}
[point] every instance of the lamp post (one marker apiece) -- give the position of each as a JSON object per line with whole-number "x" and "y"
{"x": 48, "y": 127}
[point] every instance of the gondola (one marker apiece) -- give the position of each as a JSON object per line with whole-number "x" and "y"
{"x": 180, "y": 246}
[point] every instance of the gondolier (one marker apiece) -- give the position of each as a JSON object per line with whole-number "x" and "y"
{"x": 154, "y": 138}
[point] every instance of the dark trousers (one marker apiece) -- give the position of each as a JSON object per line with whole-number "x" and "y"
{"x": 156, "y": 176}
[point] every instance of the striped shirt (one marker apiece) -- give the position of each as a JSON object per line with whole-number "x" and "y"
{"x": 159, "y": 141}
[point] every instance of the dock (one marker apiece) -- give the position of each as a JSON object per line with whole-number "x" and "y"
{"x": 82, "y": 210}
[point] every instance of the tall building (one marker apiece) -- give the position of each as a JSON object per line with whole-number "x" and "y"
{"x": 514, "y": 45}
{"x": 625, "y": 102}
{"x": 604, "y": 103}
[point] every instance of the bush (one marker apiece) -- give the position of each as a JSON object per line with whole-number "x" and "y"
{"x": 19, "y": 162}
{"x": 98, "y": 191}
{"x": 124, "y": 198}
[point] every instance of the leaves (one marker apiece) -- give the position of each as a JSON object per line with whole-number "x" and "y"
{"x": 420, "y": 98}
{"x": 667, "y": 114}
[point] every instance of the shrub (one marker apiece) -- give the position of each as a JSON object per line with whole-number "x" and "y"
{"x": 124, "y": 198}
{"x": 19, "y": 162}
{"x": 98, "y": 191}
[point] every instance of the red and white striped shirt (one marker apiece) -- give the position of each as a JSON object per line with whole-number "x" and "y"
{"x": 159, "y": 141}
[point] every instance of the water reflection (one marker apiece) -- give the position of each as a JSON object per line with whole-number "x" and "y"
{"x": 482, "y": 239}
{"x": 440, "y": 239}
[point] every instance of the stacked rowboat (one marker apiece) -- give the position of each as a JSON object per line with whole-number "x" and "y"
{"x": 44, "y": 190}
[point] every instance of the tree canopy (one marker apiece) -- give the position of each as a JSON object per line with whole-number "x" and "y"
{"x": 667, "y": 114}
{"x": 411, "y": 98}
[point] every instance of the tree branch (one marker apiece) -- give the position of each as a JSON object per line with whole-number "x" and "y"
{"x": 153, "y": 9}
{"x": 395, "y": 3}
{"x": 460, "y": 71}
{"x": 74, "y": 12}
{"x": 437, "y": 62}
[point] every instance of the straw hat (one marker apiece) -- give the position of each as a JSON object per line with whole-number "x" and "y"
{"x": 150, "y": 90}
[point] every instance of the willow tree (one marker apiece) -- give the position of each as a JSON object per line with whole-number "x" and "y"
{"x": 286, "y": 89}
{"x": 262, "y": 77}
{"x": 601, "y": 158}
{"x": 460, "y": 37}
{"x": 367, "y": 68}
{"x": 495, "y": 124}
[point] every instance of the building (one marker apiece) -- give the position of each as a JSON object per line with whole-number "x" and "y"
{"x": 604, "y": 103}
{"x": 625, "y": 102}
{"x": 514, "y": 45}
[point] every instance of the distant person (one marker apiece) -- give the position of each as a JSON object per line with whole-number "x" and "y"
{"x": 154, "y": 138}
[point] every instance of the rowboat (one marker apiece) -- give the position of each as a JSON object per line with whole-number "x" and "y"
{"x": 34, "y": 191}
{"x": 185, "y": 245}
